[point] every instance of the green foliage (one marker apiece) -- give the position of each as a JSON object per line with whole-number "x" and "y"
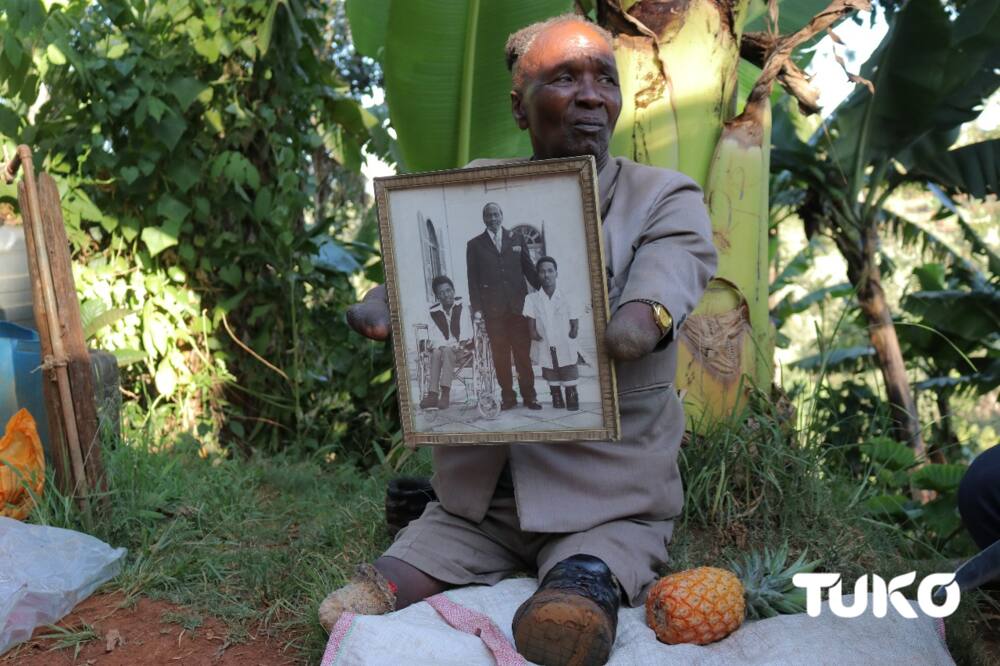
{"x": 935, "y": 525}
{"x": 930, "y": 74}
{"x": 792, "y": 15}
{"x": 954, "y": 332}
{"x": 205, "y": 154}
{"x": 889, "y": 453}
{"x": 955, "y": 311}
{"x": 458, "y": 108}
{"x": 974, "y": 168}
{"x": 65, "y": 638}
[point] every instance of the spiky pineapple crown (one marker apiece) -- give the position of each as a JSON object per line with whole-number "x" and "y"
{"x": 767, "y": 582}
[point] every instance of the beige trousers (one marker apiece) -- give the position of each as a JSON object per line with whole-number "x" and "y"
{"x": 458, "y": 551}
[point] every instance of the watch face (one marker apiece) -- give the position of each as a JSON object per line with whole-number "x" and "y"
{"x": 662, "y": 317}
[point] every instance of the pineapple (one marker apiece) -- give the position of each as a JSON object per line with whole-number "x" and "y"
{"x": 707, "y": 604}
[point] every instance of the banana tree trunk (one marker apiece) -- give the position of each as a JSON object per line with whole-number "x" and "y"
{"x": 867, "y": 279}
{"x": 678, "y": 61}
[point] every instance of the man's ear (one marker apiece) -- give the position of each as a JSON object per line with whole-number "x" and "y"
{"x": 517, "y": 109}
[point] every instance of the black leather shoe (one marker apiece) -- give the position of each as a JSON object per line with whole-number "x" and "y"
{"x": 572, "y": 618}
{"x": 532, "y": 404}
{"x": 406, "y": 497}
{"x": 508, "y": 404}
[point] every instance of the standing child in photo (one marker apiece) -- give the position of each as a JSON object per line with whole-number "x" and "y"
{"x": 554, "y": 321}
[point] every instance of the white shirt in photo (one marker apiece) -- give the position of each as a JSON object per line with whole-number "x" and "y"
{"x": 465, "y": 329}
{"x": 552, "y": 315}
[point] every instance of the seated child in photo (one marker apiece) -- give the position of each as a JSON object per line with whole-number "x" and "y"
{"x": 450, "y": 342}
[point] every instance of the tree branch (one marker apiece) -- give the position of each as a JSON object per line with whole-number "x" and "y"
{"x": 772, "y": 53}
{"x": 756, "y": 47}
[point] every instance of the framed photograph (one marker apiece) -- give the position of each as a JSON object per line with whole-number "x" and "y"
{"x": 498, "y": 299}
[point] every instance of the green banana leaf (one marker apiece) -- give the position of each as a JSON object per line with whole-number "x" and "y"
{"x": 985, "y": 380}
{"x": 796, "y": 266}
{"x": 446, "y": 83}
{"x": 915, "y": 236}
{"x": 369, "y": 19}
{"x": 969, "y": 314}
{"x": 837, "y": 360}
{"x": 930, "y": 74}
{"x": 973, "y": 169}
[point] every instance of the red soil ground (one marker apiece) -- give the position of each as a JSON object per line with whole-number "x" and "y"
{"x": 149, "y": 636}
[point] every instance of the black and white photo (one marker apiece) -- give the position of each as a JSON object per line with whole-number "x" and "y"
{"x": 498, "y": 299}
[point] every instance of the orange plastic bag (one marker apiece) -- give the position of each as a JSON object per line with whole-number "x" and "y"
{"x": 21, "y": 461}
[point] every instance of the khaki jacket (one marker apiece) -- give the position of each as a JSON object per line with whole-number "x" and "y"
{"x": 658, "y": 246}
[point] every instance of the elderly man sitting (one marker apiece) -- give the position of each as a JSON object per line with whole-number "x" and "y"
{"x": 593, "y": 518}
{"x": 450, "y": 342}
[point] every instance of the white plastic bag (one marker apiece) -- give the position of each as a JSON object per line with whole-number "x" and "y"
{"x": 44, "y": 573}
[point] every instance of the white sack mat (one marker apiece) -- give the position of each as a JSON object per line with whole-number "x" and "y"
{"x": 421, "y": 635}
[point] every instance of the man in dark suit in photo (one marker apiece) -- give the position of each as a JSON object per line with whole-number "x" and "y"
{"x": 498, "y": 263}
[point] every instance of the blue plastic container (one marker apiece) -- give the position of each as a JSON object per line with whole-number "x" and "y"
{"x": 21, "y": 378}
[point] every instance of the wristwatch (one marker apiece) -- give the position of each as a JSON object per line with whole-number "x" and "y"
{"x": 660, "y": 315}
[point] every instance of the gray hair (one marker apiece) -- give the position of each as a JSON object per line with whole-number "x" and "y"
{"x": 520, "y": 42}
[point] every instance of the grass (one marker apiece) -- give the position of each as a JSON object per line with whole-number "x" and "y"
{"x": 65, "y": 638}
{"x": 759, "y": 484}
{"x": 187, "y": 621}
{"x": 259, "y": 542}
{"x": 256, "y": 542}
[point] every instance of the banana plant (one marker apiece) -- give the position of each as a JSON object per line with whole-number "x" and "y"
{"x": 954, "y": 332}
{"x": 679, "y": 64}
{"x": 893, "y": 469}
{"x": 929, "y": 75}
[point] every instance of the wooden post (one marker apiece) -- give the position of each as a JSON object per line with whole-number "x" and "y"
{"x": 50, "y": 391}
{"x": 70, "y": 392}
{"x": 81, "y": 377}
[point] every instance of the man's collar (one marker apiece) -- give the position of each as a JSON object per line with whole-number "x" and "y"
{"x": 607, "y": 177}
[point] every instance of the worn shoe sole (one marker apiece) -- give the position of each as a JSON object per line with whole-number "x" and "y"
{"x": 559, "y": 628}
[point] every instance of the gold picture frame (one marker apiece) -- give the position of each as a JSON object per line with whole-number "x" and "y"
{"x": 434, "y": 224}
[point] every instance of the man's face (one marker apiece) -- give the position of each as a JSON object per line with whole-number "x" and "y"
{"x": 445, "y": 294}
{"x": 492, "y": 217}
{"x": 547, "y": 274}
{"x": 569, "y": 100}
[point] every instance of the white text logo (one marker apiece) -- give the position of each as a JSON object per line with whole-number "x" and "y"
{"x": 882, "y": 594}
